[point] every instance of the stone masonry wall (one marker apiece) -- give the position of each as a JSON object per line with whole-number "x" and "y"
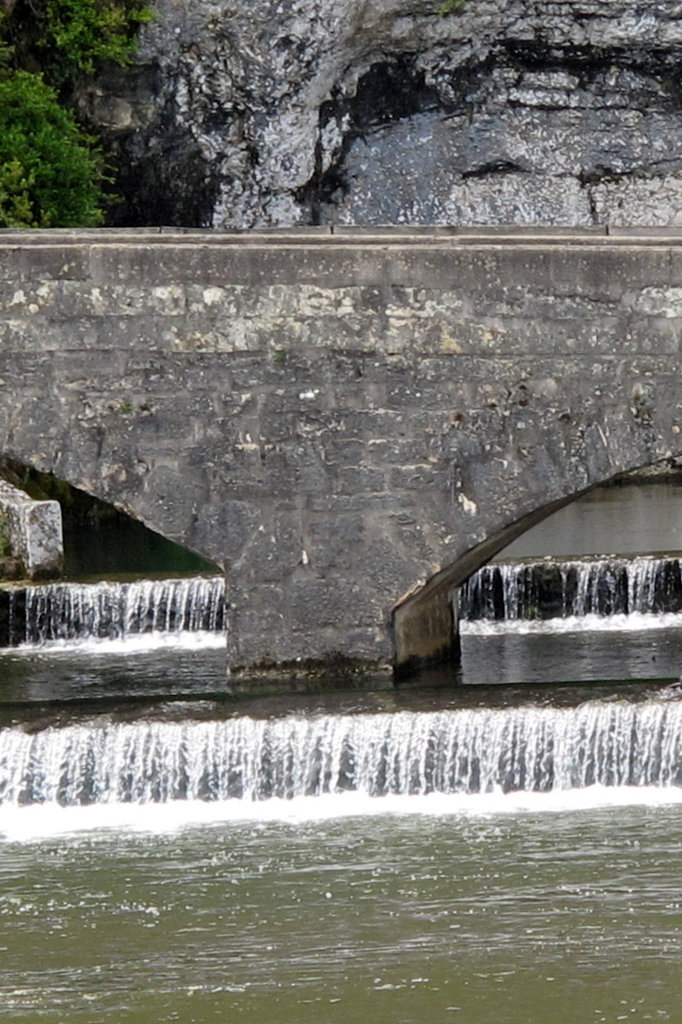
{"x": 337, "y": 419}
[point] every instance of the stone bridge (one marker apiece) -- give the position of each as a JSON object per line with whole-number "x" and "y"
{"x": 348, "y": 422}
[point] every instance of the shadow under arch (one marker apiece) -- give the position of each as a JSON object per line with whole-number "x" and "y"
{"x": 99, "y": 538}
{"x": 429, "y": 613}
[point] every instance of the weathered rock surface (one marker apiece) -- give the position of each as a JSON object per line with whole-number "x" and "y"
{"x": 306, "y": 111}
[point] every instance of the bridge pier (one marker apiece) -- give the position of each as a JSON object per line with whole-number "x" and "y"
{"x": 426, "y": 630}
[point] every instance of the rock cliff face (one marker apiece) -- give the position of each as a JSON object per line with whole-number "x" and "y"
{"x": 283, "y": 112}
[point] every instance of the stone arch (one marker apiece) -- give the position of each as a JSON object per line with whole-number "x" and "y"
{"x": 424, "y": 623}
{"x": 332, "y": 417}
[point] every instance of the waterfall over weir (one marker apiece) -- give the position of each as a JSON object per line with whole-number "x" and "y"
{"x": 549, "y": 589}
{"x": 36, "y": 615}
{"x": 531, "y": 749}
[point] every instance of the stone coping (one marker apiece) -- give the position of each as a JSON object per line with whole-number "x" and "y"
{"x": 347, "y": 236}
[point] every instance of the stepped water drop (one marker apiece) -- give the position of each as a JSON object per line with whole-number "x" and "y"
{"x": 469, "y": 751}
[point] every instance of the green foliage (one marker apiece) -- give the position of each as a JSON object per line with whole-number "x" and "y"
{"x": 5, "y": 48}
{"x": 77, "y": 34}
{"x": 5, "y": 543}
{"x": 450, "y": 6}
{"x": 65, "y": 38}
{"x": 50, "y": 172}
{"x": 16, "y": 208}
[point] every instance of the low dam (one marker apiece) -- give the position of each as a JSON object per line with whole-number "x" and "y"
{"x": 348, "y": 422}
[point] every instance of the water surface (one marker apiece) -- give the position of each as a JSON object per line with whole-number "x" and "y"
{"x": 555, "y": 916}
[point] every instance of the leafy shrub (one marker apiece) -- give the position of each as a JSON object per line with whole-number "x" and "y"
{"x": 50, "y": 171}
{"x": 65, "y": 38}
{"x": 76, "y": 34}
{"x": 15, "y": 199}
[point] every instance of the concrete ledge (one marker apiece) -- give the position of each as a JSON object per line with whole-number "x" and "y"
{"x": 34, "y": 531}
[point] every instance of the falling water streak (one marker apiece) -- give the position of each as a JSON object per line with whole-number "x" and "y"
{"x": 514, "y": 591}
{"x": 79, "y": 611}
{"x": 528, "y": 749}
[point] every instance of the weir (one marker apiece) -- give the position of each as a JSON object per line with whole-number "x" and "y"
{"x": 37, "y": 615}
{"x": 550, "y": 588}
{"x": 529, "y": 749}
{"x": 453, "y": 751}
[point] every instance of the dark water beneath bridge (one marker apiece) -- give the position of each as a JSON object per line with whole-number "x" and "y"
{"x": 500, "y": 850}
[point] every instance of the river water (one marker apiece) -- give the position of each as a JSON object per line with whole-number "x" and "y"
{"x": 497, "y": 845}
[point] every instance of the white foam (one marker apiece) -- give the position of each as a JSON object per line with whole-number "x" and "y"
{"x": 634, "y": 623}
{"x": 37, "y": 822}
{"x": 138, "y": 643}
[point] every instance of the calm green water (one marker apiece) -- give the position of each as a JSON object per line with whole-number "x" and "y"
{"x": 519, "y": 917}
{"x": 629, "y": 519}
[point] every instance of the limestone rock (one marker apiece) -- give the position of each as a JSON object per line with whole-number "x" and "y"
{"x": 351, "y": 111}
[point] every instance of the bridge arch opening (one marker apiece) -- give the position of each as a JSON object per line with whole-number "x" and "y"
{"x": 100, "y": 539}
{"x": 626, "y": 524}
{"x": 132, "y": 613}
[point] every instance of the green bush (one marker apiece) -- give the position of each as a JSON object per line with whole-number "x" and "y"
{"x": 76, "y": 34}
{"x": 65, "y": 38}
{"x": 15, "y": 195}
{"x": 50, "y": 171}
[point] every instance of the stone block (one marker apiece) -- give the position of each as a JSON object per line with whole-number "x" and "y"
{"x": 34, "y": 531}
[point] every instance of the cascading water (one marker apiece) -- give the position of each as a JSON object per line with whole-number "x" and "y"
{"x": 529, "y": 749}
{"x": 37, "y": 615}
{"x": 546, "y": 589}
{"x": 452, "y": 752}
